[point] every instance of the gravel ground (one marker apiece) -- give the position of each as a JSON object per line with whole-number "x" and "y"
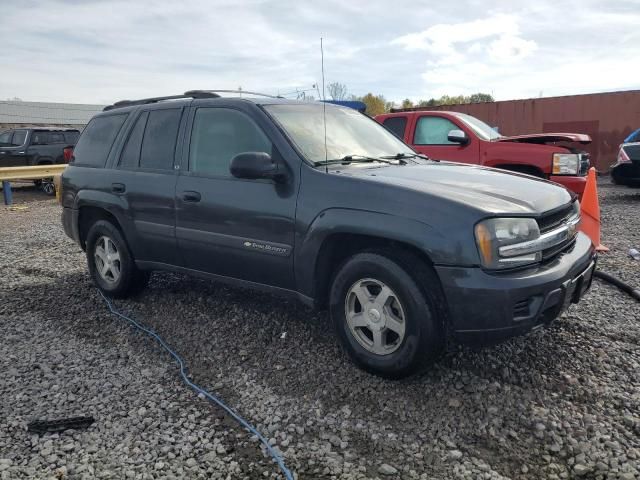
{"x": 560, "y": 403}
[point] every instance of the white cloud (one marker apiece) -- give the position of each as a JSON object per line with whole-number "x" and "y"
{"x": 497, "y": 37}
{"x": 444, "y": 36}
{"x": 98, "y": 51}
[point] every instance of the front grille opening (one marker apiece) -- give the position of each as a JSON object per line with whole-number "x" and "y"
{"x": 552, "y": 252}
{"x": 553, "y": 220}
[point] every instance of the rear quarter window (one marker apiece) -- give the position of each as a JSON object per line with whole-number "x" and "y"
{"x": 71, "y": 138}
{"x": 97, "y": 139}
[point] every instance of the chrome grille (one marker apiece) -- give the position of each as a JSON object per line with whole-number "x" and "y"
{"x": 552, "y": 220}
{"x": 549, "y": 221}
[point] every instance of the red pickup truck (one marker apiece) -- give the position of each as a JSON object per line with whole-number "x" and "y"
{"x": 458, "y": 137}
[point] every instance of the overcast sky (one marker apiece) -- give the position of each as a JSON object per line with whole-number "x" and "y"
{"x": 101, "y": 51}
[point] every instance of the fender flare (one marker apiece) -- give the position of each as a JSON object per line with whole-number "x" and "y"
{"x": 113, "y": 204}
{"x": 359, "y": 222}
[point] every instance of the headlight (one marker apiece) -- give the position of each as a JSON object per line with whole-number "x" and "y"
{"x": 493, "y": 233}
{"x": 566, "y": 163}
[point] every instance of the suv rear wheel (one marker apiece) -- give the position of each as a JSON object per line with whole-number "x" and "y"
{"x": 111, "y": 265}
{"x": 387, "y": 323}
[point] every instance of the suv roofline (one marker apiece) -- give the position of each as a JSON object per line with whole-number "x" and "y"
{"x": 195, "y": 94}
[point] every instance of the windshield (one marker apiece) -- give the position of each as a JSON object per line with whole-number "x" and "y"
{"x": 349, "y": 133}
{"x": 483, "y": 130}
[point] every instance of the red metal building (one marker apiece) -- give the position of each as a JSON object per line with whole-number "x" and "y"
{"x": 607, "y": 117}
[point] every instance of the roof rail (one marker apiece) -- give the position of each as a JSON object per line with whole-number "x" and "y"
{"x": 202, "y": 92}
{"x": 146, "y": 101}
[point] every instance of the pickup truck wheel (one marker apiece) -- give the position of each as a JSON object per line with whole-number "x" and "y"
{"x": 384, "y": 320}
{"x": 48, "y": 187}
{"x": 111, "y": 265}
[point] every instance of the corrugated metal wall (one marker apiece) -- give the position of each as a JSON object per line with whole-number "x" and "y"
{"x": 46, "y": 113}
{"x": 607, "y": 117}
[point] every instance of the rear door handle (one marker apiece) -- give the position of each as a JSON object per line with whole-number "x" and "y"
{"x": 191, "y": 196}
{"x": 118, "y": 187}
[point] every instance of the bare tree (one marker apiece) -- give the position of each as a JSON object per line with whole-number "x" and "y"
{"x": 337, "y": 91}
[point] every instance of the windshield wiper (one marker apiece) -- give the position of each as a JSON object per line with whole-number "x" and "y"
{"x": 347, "y": 159}
{"x": 400, "y": 156}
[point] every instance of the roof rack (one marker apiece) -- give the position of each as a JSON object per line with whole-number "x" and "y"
{"x": 146, "y": 101}
{"x": 189, "y": 94}
{"x": 204, "y": 92}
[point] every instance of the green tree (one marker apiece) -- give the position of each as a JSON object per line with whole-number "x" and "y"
{"x": 481, "y": 98}
{"x": 406, "y": 103}
{"x": 456, "y": 100}
{"x": 376, "y": 104}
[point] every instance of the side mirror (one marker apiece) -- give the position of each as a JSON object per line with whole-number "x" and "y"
{"x": 458, "y": 136}
{"x": 254, "y": 165}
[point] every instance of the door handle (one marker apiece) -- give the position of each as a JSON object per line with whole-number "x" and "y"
{"x": 190, "y": 196}
{"x": 118, "y": 187}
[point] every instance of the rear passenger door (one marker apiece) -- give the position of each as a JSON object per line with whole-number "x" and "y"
{"x": 145, "y": 178}
{"x": 227, "y": 226}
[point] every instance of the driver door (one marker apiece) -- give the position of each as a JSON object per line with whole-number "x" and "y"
{"x": 238, "y": 228}
{"x": 430, "y": 138}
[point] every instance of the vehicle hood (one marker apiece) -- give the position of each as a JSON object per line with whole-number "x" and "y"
{"x": 544, "y": 138}
{"x": 488, "y": 190}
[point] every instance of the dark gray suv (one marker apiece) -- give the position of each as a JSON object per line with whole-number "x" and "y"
{"x": 403, "y": 251}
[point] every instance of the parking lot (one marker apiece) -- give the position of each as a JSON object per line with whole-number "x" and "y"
{"x": 560, "y": 403}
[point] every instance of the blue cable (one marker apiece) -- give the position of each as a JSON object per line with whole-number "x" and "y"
{"x": 279, "y": 460}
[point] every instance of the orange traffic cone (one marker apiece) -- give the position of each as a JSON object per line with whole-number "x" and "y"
{"x": 590, "y": 208}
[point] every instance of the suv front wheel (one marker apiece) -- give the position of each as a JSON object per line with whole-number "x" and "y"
{"x": 111, "y": 265}
{"x": 387, "y": 323}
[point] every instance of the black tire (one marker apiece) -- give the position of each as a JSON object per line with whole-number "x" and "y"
{"x": 424, "y": 316}
{"x": 47, "y": 186}
{"x": 130, "y": 280}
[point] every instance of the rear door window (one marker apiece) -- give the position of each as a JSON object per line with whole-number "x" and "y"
{"x": 396, "y": 125}
{"x": 40, "y": 138}
{"x": 159, "y": 141}
{"x": 97, "y": 139}
{"x": 130, "y": 157}
{"x": 434, "y": 131}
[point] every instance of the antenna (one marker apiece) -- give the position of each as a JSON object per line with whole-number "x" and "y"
{"x": 324, "y": 111}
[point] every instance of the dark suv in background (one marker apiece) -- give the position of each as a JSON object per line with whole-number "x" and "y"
{"x": 321, "y": 203}
{"x": 37, "y": 146}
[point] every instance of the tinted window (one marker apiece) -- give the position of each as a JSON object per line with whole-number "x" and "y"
{"x": 218, "y": 135}
{"x": 97, "y": 138}
{"x": 434, "y": 131}
{"x": 71, "y": 137}
{"x": 159, "y": 143}
{"x": 40, "y": 138}
{"x": 56, "y": 138}
{"x": 5, "y": 138}
{"x": 396, "y": 125}
{"x": 130, "y": 157}
{"x": 19, "y": 137}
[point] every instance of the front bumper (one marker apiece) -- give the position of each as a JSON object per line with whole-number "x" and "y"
{"x": 485, "y": 308}
{"x": 626, "y": 173}
{"x": 575, "y": 184}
